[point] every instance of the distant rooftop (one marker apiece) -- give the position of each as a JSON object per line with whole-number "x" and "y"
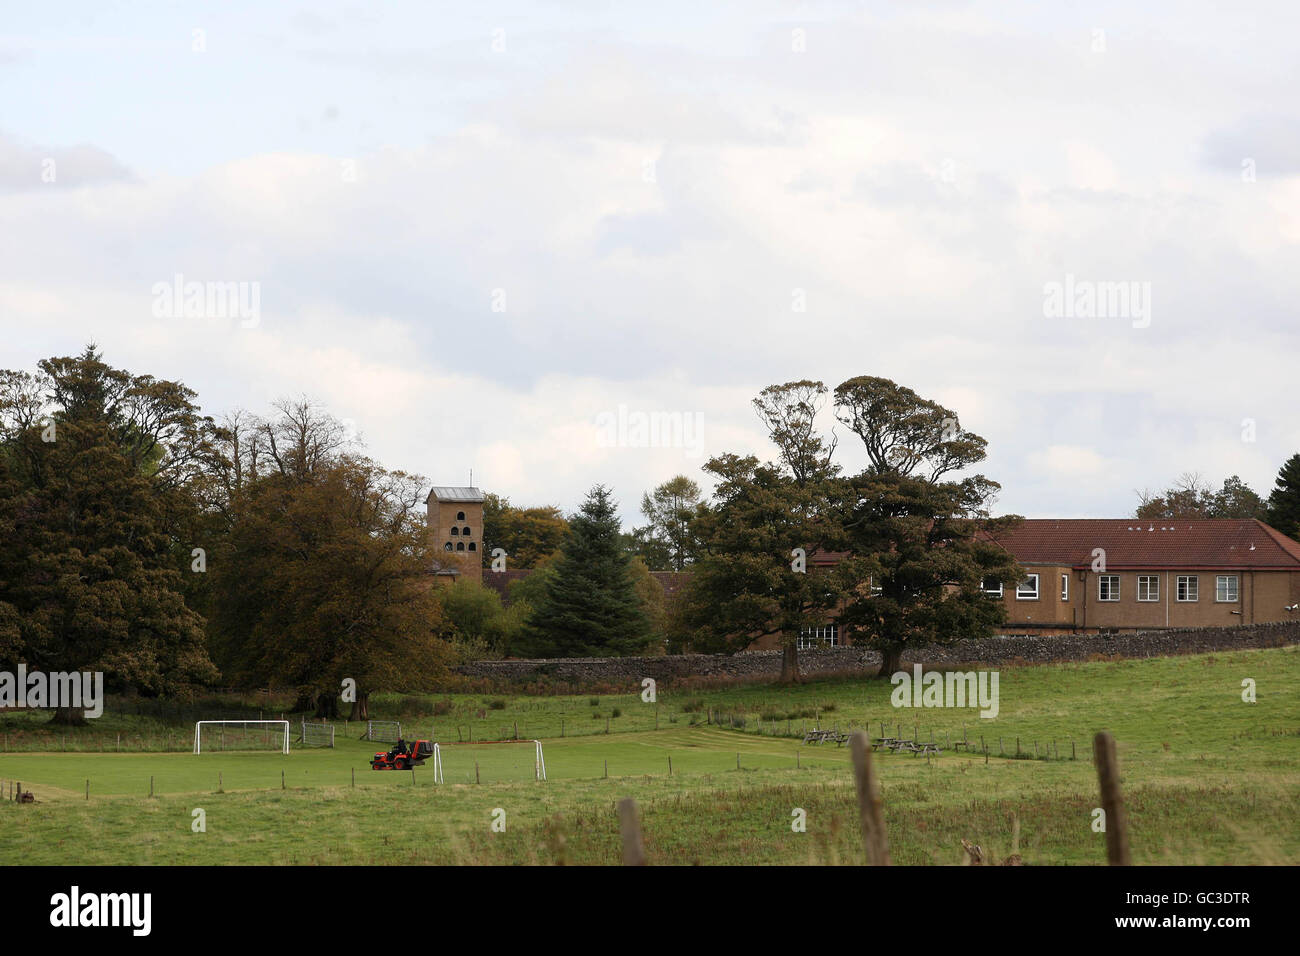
{"x": 1157, "y": 543}
{"x": 450, "y": 493}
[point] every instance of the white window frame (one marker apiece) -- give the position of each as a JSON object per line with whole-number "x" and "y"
{"x": 1022, "y": 594}
{"x": 1223, "y": 582}
{"x": 1188, "y": 584}
{"x": 1152, "y": 584}
{"x": 990, "y": 592}
{"x": 827, "y": 635}
{"x": 1102, "y": 579}
{"x": 1065, "y": 587}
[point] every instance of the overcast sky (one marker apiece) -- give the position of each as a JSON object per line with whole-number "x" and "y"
{"x": 477, "y": 230}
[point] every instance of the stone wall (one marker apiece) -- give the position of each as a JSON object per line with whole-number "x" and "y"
{"x": 757, "y": 665}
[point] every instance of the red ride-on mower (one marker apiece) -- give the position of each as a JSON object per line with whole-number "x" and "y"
{"x": 421, "y": 750}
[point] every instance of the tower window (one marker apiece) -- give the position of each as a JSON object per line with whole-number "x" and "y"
{"x": 447, "y": 546}
{"x": 473, "y": 546}
{"x": 465, "y": 531}
{"x": 460, "y": 545}
{"x": 455, "y": 532}
{"x": 460, "y": 516}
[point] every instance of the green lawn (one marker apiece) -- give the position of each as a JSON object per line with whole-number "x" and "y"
{"x": 1207, "y": 778}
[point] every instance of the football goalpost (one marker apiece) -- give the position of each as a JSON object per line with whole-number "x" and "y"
{"x": 385, "y": 731}
{"x": 494, "y": 761}
{"x": 316, "y": 735}
{"x": 212, "y": 735}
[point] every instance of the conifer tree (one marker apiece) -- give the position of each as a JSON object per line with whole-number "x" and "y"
{"x": 591, "y": 607}
{"x": 1284, "y": 502}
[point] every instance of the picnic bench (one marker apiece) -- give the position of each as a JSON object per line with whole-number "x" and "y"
{"x": 822, "y": 736}
{"x": 901, "y": 745}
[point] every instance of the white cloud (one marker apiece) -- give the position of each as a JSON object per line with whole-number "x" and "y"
{"x": 917, "y": 177}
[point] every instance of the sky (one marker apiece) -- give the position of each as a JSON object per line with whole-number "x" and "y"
{"x": 503, "y": 237}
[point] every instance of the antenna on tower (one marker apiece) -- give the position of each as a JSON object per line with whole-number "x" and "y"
{"x": 471, "y": 477}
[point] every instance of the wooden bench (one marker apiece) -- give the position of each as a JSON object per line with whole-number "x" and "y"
{"x": 821, "y": 736}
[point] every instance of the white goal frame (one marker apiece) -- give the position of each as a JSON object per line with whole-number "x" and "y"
{"x": 284, "y": 724}
{"x": 437, "y": 764}
{"x": 539, "y": 762}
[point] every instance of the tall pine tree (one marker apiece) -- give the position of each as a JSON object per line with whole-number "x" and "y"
{"x": 1284, "y": 502}
{"x": 590, "y": 608}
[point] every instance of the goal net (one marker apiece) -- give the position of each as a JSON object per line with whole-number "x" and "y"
{"x": 495, "y": 762}
{"x": 316, "y": 735}
{"x": 215, "y": 735}
{"x": 386, "y": 731}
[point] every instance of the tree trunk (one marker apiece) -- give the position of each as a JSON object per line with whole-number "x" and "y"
{"x": 892, "y": 662}
{"x": 69, "y": 717}
{"x": 327, "y": 706}
{"x": 790, "y": 663}
{"x": 361, "y": 706}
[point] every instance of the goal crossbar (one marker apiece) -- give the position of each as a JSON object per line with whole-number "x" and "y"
{"x": 282, "y": 724}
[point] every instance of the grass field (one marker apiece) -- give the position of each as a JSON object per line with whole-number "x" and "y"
{"x": 1207, "y": 778}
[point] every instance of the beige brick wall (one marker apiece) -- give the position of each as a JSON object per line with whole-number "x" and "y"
{"x": 460, "y": 515}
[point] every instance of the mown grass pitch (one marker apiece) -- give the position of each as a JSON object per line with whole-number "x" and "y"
{"x": 1207, "y": 779}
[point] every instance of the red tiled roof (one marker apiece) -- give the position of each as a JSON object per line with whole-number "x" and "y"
{"x": 1163, "y": 543}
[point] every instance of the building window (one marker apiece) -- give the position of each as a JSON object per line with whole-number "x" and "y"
{"x": 460, "y": 545}
{"x": 828, "y": 636}
{"x": 1225, "y": 588}
{"x": 875, "y": 588}
{"x": 1065, "y": 587}
{"x": 473, "y": 546}
{"x": 1027, "y": 590}
{"x": 455, "y": 532}
{"x": 460, "y": 516}
{"x": 1108, "y": 587}
{"x": 1189, "y": 586}
{"x": 447, "y": 546}
{"x": 465, "y": 532}
{"x": 991, "y": 588}
{"x": 1148, "y": 587}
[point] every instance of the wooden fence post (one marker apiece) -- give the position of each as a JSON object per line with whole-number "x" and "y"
{"x": 630, "y": 827}
{"x": 1112, "y": 801}
{"x": 869, "y": 802}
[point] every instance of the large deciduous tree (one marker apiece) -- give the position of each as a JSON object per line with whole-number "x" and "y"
{"x": 667, "y": 542}
{"x": 94, "y": 463}
{"x": 527, "y": 535}
{"x": 755, "y": 574}
{"x": 926, "y": 544}
{"x": 322, "y": 576}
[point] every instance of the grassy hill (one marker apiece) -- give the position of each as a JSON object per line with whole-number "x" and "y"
{"x": 1207, "y": 777}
